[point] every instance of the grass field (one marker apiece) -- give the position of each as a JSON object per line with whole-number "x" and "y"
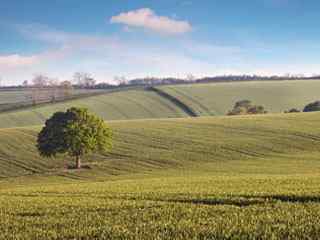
{"x": 181, "y": 207}
{"x": 132, "y": 104}
{"x": 218, "y": 99}
{"x": 144, "y": 145}
{"x": 16, "y": 96}
{"x": 250, "y": 177}
{"x": 202, "y": 99}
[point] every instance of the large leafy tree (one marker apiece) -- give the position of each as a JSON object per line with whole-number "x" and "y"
{"x": 75, "y": 132}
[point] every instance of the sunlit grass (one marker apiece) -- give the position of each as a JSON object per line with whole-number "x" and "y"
{"x": 131, "y": 104}
{"x": 218, "y": 99}
{"x": 181, "y": 207}
{"x": 248, "y": 177}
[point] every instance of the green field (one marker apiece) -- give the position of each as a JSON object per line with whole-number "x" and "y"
{"x": 203, "y": 99}
{"x": 185, "y": 207}
{"x": 249, "y": 177}
{"x": 131, "y": 104}
{"x": 242, "y": 177}
{"x": 22, "y": 95}
{"x": 219, "y": 98}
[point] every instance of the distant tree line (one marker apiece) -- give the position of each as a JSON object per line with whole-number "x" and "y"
{"x": 84, "y": 80}
{"x": 223, "y": 78}
{"x": 246, "y": 107}
{"x": 232, "y": 78}
{"x": 48, "y": 89}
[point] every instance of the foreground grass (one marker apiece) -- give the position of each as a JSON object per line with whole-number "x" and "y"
{"x": 250, "y": 177}
{"x": 166, "y": 207}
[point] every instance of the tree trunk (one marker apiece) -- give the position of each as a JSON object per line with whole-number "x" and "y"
{"x": 78, "y": 162}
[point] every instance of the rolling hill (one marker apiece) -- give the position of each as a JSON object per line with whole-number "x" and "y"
{"x": 247, "y": 177}
{"x": 175, "y": 101}
{"x": 131, "y": 104}
{"x": 218, "y": 98}
{"x": 257, "y": 144}
{"x": 12, "y": 95}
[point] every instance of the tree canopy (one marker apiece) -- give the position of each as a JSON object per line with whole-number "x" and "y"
{"x": 75, "y": 132}
{"x": 246, "y": 107}
{"x": 293, "y": 110}
{"x": 312, "y": 107}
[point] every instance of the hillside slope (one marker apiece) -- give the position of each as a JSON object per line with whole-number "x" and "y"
{"x": 252, "y": 144}
{"x": 219, "y": 98}
{"x": 252, "y": 177}
{"x": 175, "y": 101}
{"x": 131, "y": 104}
{"x": 8, "y": 96}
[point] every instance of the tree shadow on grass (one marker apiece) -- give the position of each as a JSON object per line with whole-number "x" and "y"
{"x": 73, "y": 167}
{"x": 238, "y": 202}
{"x": 232, "y": 202}
{"x": 245, "y": 200}
{"x": 292, "y": 198}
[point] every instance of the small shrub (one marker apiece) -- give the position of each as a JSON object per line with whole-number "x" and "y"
{"x": 244, "y": 107}
{"x": 312, "y": 107}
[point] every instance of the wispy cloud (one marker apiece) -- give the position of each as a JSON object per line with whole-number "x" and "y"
{"x": 16, "y": 60}
{"x": 61, "y": 38}
{"x": 148, "y": 19}
{"x": 107, "y": 56}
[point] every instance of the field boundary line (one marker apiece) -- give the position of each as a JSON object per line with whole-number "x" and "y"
{"x": 187, "y": 109}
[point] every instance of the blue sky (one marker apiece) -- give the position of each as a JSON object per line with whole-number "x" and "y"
{"x": 157, "y": 38}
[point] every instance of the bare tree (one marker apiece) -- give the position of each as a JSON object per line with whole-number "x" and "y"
{"x": 53, "y": 82}
{"x": 40, "y": 80}
{"x": 66, "y": 89}
{"x": 90, "y": 82}
{"x": 84, "y": 79}
{"x": 66, "y": 83}
{"x": 40, "y": 91}
{"x": 121, "y": 80}
{"x": 190, "y": 78}
{"x": 79, "y": 77}
{"x": 25, "y": 83}
{"x": 53, "y": 91}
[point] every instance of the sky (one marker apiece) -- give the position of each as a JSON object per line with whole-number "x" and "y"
{"x": 141, "y": 38}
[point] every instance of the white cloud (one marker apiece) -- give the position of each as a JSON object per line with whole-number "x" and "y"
{"x": 147, "y": 18}
{"x": 16, "y": 60}
{"x": 106, "y": 56}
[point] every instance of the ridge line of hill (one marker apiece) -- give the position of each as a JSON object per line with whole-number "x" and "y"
{"x": 184, "y": 107}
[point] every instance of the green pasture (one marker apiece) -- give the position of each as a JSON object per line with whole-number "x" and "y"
{"x": 218, "y": 98}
